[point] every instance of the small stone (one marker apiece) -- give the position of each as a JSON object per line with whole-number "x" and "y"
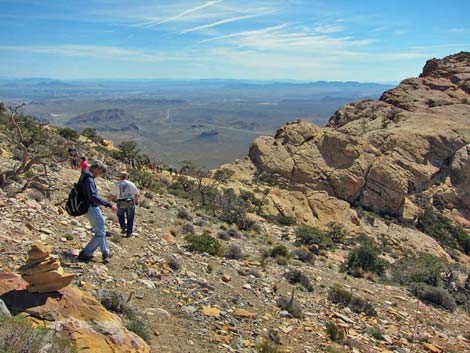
{"x": 190, "y": 309}
{"x": 4, "y": 312}
{"x": 210, "y": 311}
{"x": 226, "y": 278}
{"x": 244, "y": 313}
{"x": 147, "y": 283}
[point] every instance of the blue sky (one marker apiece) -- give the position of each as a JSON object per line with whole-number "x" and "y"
{"x": 378, "y": 40}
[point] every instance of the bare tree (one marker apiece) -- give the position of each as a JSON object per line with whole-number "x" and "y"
{"x": 33, "y": 142}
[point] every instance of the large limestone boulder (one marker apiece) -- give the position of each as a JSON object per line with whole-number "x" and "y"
{"x": 460, "y": 174}
{"x": 379, "y": 153}
{"x": 76, "y": 314}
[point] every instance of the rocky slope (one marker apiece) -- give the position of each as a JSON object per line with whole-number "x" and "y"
{"x": 381, "y": 154}
{"x": 195, "y": 302}
{"x": 212, "y": 304}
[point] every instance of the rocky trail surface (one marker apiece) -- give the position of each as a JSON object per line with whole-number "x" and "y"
{"x": 212, "y": 304}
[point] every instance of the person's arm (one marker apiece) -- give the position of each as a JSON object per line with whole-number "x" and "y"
{"x": 136, "y": 199}
{"x": 92, "y": 194}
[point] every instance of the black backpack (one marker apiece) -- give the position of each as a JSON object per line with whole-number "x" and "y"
{"x": 77, "y": 204}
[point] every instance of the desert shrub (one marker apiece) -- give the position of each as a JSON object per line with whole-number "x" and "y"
{"x": 336, "y": 232}
{"x": 327, "y": 240}
{"x": 234, "y": 209}
{"x": 146, "y": 180}
{"x": 279, "y": 251}
{"x": 17, "y": 335}
{"x": 233, "y": 252}
{"x": 140, "y": 327}
{"x": 433, "y": 295}
{"x": 173, "y": 263}
{"x": 302, "y": 255}
{"x": 234, "y": 233}
{"x": 295, "y": 276}
{"x": 339, "y": 296}
{"x": 291, "y": 306}
{"x": 224, "y": 235}
{"x": 188, "y": 228}
{"x": 443, "y": 230}
{"x": 113, "y": 300}
{"x": 375, "y": 332}
{"x": 267, "y": 347}
{"x": 422, "y": 268}
{"x": 362, "y": 305}
{"x": 204, "y": 243}
{"x": 68, "y": 133}
{"x": 365, "y": 258}
{"x": 306, "y": 235}
{"x": 284, "y": 220}
{"x": 335, "y": 333}
{"x": 184, "y": 214}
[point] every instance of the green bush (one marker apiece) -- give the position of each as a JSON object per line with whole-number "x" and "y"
{"x": 184, "y": 214}
{"x": 443, "y": 230}
{"x": 362, "y": 305}
{"x": 279, "y": 251}
{"x": 267, "y": 347}
{"x": 291, "y": 306}
{"x": 365, "y": 258}
{"x": 375, "y": 332}
{"x": 234, "y": 252}
{"x": 204, "y": 243}
{"x": 339, "y": 296}
{"x": 140, "y": 327}
{"x": 68, "y": 133}
{"x": 17, "y": 335}
{"x": 335, "y": 333}
{"x": 327, "y": 240}
{"x": 284, "y": 220}
{"x": 303, "y": 255}
{"x": 433, "y": 295}
{"x": 422, "y": 268}
{"x": 295, "y": 276}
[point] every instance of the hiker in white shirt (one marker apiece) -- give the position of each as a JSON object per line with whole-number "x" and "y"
{"x": 126, "y": 195}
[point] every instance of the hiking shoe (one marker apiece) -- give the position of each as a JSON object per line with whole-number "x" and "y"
{"x": 84, "y": 258}
{"x": 106, "y": 258}
{"x": 123, "y": 231}
{"x": 128, "y": 235}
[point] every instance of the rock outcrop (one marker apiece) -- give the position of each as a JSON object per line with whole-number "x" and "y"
{"x": 43, "y": 271}
{"x": 380, "y": 154}
{"x": 76, "y": 314}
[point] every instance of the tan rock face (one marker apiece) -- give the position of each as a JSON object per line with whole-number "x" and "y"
{"x": 378, "y": 153}
{"x": 76, "y": 314}
{"x": 43, "y": 271}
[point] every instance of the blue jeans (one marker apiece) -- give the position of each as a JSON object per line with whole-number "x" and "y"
{"x": 126, "y": 213}
{"x": 99, "y": 233}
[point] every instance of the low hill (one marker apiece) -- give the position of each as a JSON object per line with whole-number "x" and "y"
{"x": 106, "y": 120}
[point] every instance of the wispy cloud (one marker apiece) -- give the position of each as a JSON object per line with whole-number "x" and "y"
{"x": 179, "y": 16}
{"x": 90, "y": 51}
{"x": 225, "y": 21}
{"x": 331, "y": 28}
{"x": 247, "y": 33}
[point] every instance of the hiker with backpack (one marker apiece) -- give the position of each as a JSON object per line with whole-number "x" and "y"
{"x": 84, "y": 199}
{"x": 126, "y": 195}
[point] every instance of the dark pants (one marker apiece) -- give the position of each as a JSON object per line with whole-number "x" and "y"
{"x": 126, "y": 214}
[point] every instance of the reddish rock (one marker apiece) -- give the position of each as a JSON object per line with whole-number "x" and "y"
{"x": 78, "y": 316}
